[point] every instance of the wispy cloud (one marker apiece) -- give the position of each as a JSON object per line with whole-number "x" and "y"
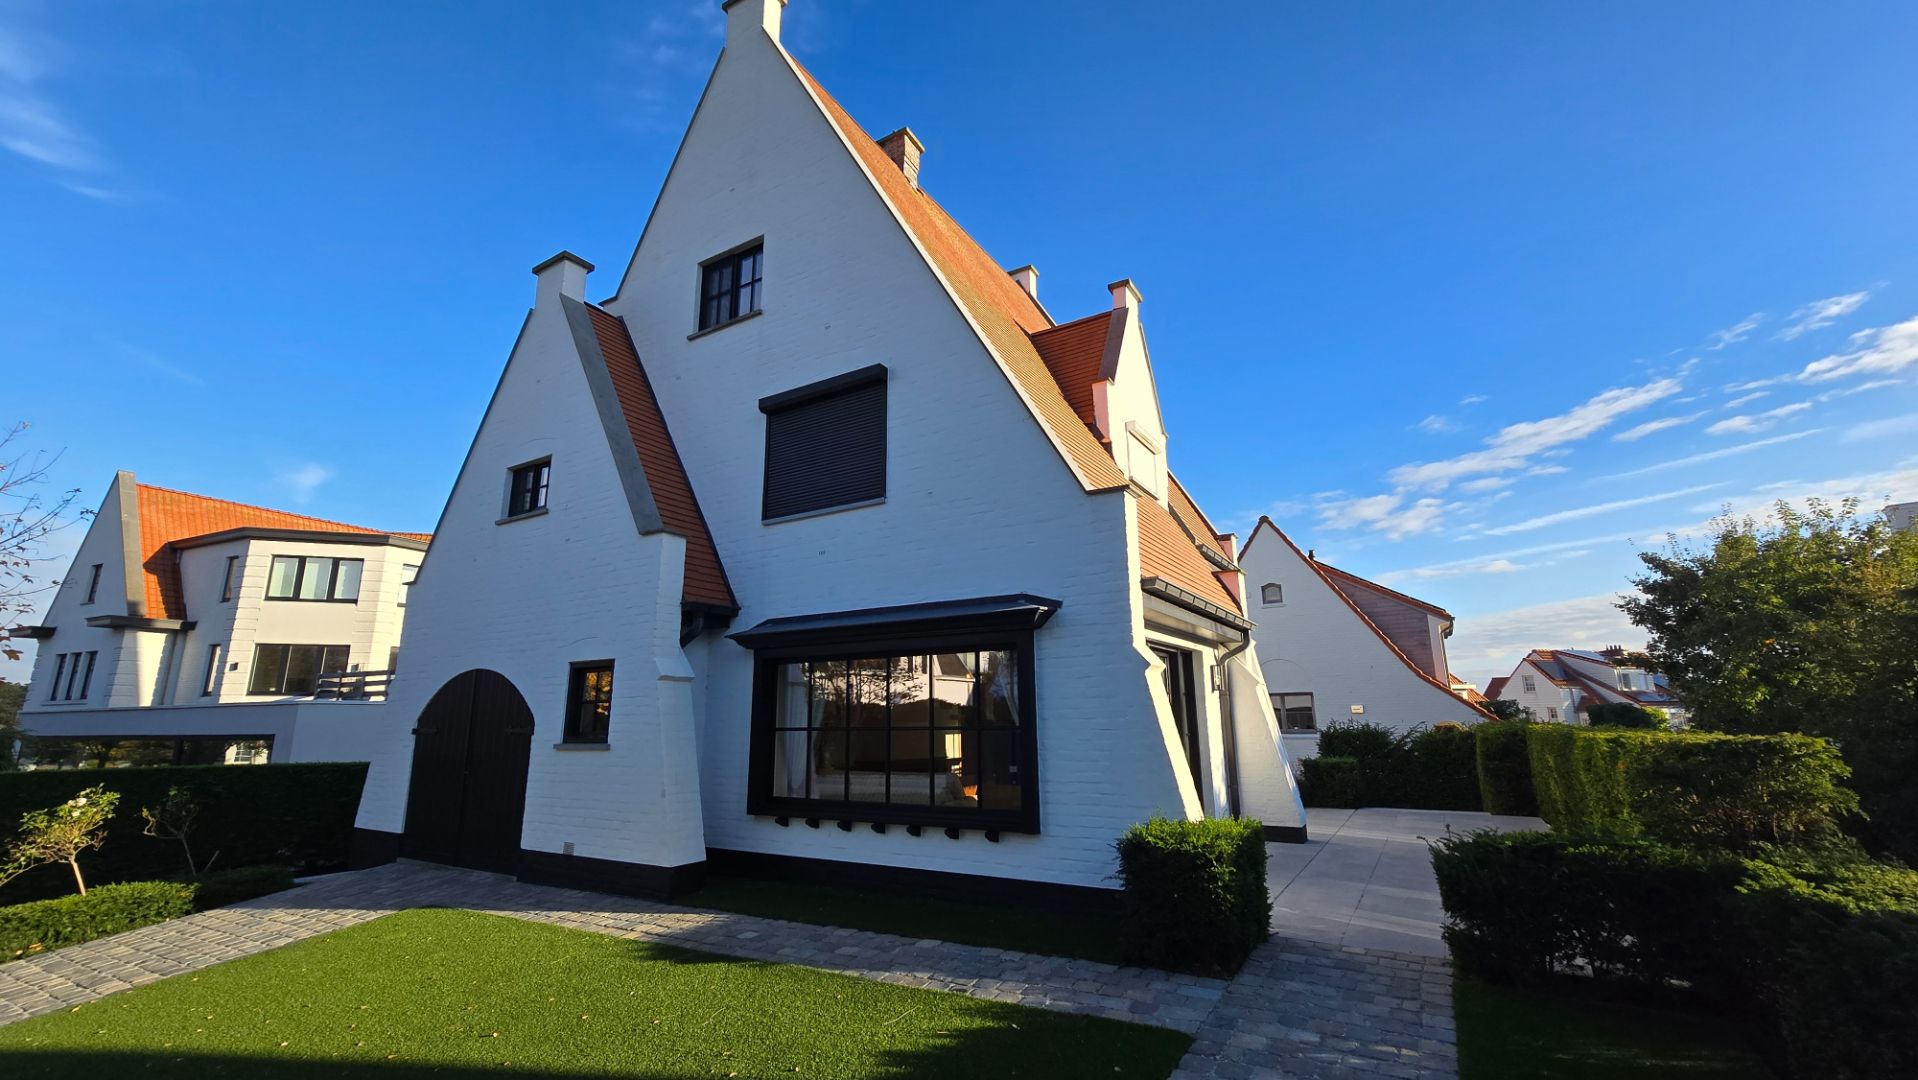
{"x": 1732, "y": 335}
{"x": 301, "y": 481}
{"x": 1878, "y": 429}
{"x": 1474, "y": 568}
{"x": 655, "y": 66}
{"x": 1436, "y": 425}
{"x": 1597, "y": 510}
{"x": 1884, "y": 350}
{"x": 1390, "y": 515}
{"x": 1710, "y": 455}
{"x": 1516, "y": 446}
{"x": 1746, "y": 399}
{"x": 1757, "y": 422}
{"x": 34, "y": 126}
{"x": 1822, "y": 313}
{"x": 153, "y": 361}
{"x": 1486, "y": 483}
{"x": 1472, "y": 399}
{"x": 1650, "y": 427}
{"x": 1490, "y": 645}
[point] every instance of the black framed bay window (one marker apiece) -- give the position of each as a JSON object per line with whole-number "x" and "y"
{"x": 589, "y": 702}
{"x": 914, "y": 724}
{"x": 294, "y": 670}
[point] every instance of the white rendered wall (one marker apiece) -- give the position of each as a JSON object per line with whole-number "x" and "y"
{"x": 978, "y": 500}
{"x": 68, "y": 613}
{"x": 300, "y": 730}
{"x": 1547, "y": 700}
{"x": 1315, "y": 643}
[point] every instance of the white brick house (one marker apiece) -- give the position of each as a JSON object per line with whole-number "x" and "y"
{"x": 201, "y": 629}
{"x": 1333, "y": 646}
{"x": 818, "y": 548}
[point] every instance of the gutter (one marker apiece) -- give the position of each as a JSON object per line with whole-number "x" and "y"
{"x": 1231, "y": 722}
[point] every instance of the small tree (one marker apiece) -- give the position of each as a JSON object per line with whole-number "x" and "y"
{"x": 174, "y": 819}
{"x": 61, "y": 834}
{"x": 1623, "y": 714}
{"x": 1510, "y": 710}
{"x": 26, "y": 521}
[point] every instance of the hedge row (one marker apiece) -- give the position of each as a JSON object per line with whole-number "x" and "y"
{"x": 1194, "y": 893}
{"x": 1821, "y": 946}
{"x": 1505, "y": 768}
{"x": 298, "y": 815}
{"x": 1369, "y": 765}
{"x": 1738, "y": 790}
{"x": 43, "y": 925}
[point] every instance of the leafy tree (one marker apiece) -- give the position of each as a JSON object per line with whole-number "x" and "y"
{"x": 12, "y": 695}
{"x": 61, "y": 834}
{"x": 27, "y": 519}
{"x": 1510, "y": 710}
{"x": 1623, "y": 714}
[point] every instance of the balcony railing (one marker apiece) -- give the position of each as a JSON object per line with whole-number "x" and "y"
{"x": 353, "y": 686}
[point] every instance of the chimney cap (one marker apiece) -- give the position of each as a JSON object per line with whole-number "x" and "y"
{"x": 1125, "y": 294}
{"x": 563, "y": 256}
{"x": 904, "y": 132}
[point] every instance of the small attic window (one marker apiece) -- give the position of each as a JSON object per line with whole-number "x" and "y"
{"x": 729, "y": 286}
{"x": 1271, "y": 593}
{"x": 526, "y": 488}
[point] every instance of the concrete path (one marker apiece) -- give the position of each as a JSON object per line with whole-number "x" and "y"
{"x": 1365, "y": 878}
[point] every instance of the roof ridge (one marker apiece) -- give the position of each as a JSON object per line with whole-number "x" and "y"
{"x": 143, "y": 485}
{"x": 1106, "y": 314}
{"x": 1408, "y": 598}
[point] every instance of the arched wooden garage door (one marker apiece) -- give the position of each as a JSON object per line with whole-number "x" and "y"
{"x": 469, "y": 774}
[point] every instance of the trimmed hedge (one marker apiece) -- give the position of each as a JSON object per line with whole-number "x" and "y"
{"x": 1738, "y": 790}
{"x": 1422, "y": 770}
{"x": 298, "y": 815}
{"x": 1821, "y": 946}
{"x": 26, "y": 929}
{"x": 1505, "y": 768}
{"x": 1195, "y": 897}
{"x": 224, "y": 887}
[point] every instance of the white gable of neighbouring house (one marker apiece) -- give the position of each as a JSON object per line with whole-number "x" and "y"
{"x": 1314, "y": 640}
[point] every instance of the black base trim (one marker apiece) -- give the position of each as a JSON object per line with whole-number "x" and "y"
{"x": 935, "y": 884}
{"x": 610, "y": 875}
{"x": 372, "y": 847}
{"x": 1285, "y": 834}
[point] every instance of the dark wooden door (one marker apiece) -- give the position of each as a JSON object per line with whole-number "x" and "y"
{"x": 468, "y": 793}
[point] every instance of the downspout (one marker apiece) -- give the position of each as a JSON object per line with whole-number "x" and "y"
{"x": 1231, "y": 723}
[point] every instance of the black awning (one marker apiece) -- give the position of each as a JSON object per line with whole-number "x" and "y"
{"x": 1019, "y": 611}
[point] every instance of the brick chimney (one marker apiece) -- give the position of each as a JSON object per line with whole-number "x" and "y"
{"x": 1125, "y": 294}
{"x": 747, "y": 17}
{"x": 904, "y": 148}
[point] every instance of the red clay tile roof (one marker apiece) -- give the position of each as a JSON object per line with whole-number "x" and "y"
{"x": 1496, "y": 687}
{"x": 705, "y": 578}
{"x": 1194, "y": 519}
{"x": 1165, "y": 551}
{"x": 1005, "y": 313}
{"x": 167, "y": 515}
{"x": 1394, "y": 593}
{"x": 1073, "y": 353}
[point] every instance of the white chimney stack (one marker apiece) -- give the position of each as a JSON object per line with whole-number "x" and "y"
{"x": 1124, "y": 294}
{"x": 1028, "y": 278}
{"x": 904, "y": 148}
{"x": 562, "y": 275}
{"x": 746, "y": 17}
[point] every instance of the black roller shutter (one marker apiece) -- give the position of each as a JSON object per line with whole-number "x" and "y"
{"x": 826, "y": 445}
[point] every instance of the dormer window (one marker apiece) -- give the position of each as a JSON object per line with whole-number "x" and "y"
{"x": 1271, "y": 593}
{"x": 729, "y": 286}
{"x": 526, "y": 489}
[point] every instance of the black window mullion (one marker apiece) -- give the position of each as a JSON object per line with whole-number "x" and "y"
{"x": 845, "y": 762}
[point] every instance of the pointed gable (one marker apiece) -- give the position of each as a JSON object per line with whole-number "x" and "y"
{"x": 167, "y": 516}
{"x": 672, "y": 491}
{"x": 1073, "y": 353}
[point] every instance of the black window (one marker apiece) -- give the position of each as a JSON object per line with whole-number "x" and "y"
{"x": 212, "y": 678}
{"x": 589, "y": 702}
{"x": 93, "y": 584}
{"x": 1271, "y": 593}
{"x": 294, "y": 670}
{"x": 313, "y": 577}
{"x": 527, "y": 491}
{"x": 59, "y": 669}
{"x": 729, "y": 287}
{"x": 1295, "y": 712}
{"x": 86, "y": 678}
{"x": 826, "y": 444}
{"x": 232, "y": 581}
{"x": 1182, "y": 691}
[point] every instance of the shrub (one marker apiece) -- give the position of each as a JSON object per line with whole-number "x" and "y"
{"x": 1195, "y": 896}
{"x": 298, "y": 815}
{"x": 106, "y": 909}
{"x": 1739, "y": 790}
{"x": 1437, "y": 770}
{"x": 1358, "y": 739}
{"x": 1331, "y": 782}
{"x": 1504, "y": 768}
{"x": 1623, "y": 714}
{"x": 59, "y": 835}
{"x": 224, "y": 887}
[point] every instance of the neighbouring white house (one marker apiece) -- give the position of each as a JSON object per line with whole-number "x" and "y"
{"x": 1902, "y": 515}
{"x": 821, "y": 549}
{"x": 1333, "y": 646}
{"x": 1558, "y": 684}
{"x": 196, "y": 630}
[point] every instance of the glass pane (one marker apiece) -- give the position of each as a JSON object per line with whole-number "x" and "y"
{"x": 315, "y": 579}
{"x": 867, "y": 777}
{"x": 950, "y": 784}
{"x": 279, "y": 581}
{"x": 789, "y": 764}
{"x": 952, "y": 689}
{"x": 709, "y": 314}
{"x": 830, "y": 712}
{"x": 910, "y": 693}
{"x": 999, "y": 771}
{"x": 333, "y": 659}
{"x": 998, "y": 689}
{"x": 302, "y": 669}
{"x": 348, "y": 585}
{"x": 867, "y": 716}
{"x": 269, "y": 661}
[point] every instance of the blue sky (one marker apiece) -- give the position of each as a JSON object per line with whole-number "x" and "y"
{"x": 1479, "y": 300}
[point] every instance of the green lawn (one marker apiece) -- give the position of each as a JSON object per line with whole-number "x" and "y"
{"x": 1034, "y": 930}
{"x": 456, "y": 993}
{"x": 1507, "y": 1034}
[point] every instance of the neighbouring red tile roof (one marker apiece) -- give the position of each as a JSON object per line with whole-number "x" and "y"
{"x": 1393, "y": 593}
{"x": 1006, "y": 314}
{"x": 167, "y": 515}
{"x": 705, "y": 578}
{"x": 1073, "y": 352}
{"x": 1496, "y": 687}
